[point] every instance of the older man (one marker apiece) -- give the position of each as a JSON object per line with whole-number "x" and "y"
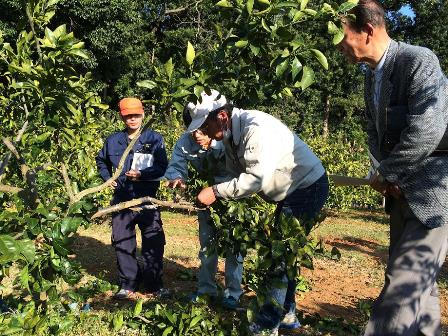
{"x": 266, "y": 158}
{"x": 406, "y": 97}
{"x": 206, "y": 156}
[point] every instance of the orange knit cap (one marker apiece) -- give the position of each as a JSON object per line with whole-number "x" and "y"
{"x": 130, "y": 106}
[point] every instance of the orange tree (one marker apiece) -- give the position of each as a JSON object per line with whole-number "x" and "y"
{"x": 51, "y": 119}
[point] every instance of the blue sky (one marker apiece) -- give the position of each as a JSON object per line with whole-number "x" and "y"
{"x": 407, "y": 10}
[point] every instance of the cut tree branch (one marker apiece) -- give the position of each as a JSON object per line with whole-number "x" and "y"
{"x": 10, "y": 189}
{"x": 132, "y": 203}
{"x": 77, "y": 197}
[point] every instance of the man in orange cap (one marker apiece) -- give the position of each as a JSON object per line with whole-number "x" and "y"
{"x": 140, "y": 176}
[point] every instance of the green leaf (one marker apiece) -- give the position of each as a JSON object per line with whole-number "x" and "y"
{"x": 321, "y": 58}
{"x": 255, "y": 50}
{"x": 50, "y": 36}
{"x": 52, "y": 2}
{"x": 8, "y": 245}
{"x": 346, "y": 6}
{"x": 78, "y": 52}
{"x": 326, "y": 8}
{"x": 303, "y": 4}
{"x": 79, "y": 45}
{"x": 149, "y": 84}
{"x": 307, "y": 77}
{"x": 191, "y": 54}
{"x": 181, "y": 93}
{"x": 241, "y": 43}
{"x": 338, "y": 37}
{"x": 265, "y": 26}
{"x": 24, "y": 278}
{"x": 298, "y": 15}
{"x": 187, "y": 82}
{"x": 118, "y": 321}
{"x": 224, "y": 3}
{"x": 60, "y": 31}
{"x": 287, "y": 4}
{"x": 178, "y": 106}
{"x": 27, "y": 249}
{"x": 250, "y": 6}
{"x": 138, "y": 307}
{"x": 287, "y": 92}
{"x": 195, "y": 321}
{"x": 42, "y": 137}
{"x": 332, "y": 28}
{"x": 285, "y": 53}
{"x": 296, "y": 68}
{"x": 167, "y": 331}
{"x": 281, "y": 68}
{"x": 70, "y": 224}
{"x": 310, "y": 11}
{"x": 264, "y": 2}
{"x": 169, "y": 67}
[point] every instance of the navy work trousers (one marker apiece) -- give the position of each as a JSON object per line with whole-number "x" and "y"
{"x": 149, "y": 274}
{"x": 304, "y": 204}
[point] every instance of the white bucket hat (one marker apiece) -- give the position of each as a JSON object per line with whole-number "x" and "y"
{"x": 202, "y": 109}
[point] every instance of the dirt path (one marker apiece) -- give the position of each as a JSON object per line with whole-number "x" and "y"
{"x": 341, "y": 288}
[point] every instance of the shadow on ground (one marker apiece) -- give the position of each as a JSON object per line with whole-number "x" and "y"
{"x": 98, "y": 259}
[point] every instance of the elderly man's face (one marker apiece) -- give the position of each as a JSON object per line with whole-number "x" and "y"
{"x": 214, "y": 127}
{"x": 354, "y": 44}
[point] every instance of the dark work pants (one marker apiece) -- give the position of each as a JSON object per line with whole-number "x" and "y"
{"x": 149, "y": 274}
{"x": 304, "y": 204}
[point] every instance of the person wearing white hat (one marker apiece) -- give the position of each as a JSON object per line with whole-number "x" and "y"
{"x": 266, "y": 158}
{"x": 206, "y": 156}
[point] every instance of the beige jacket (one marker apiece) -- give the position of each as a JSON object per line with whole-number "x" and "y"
{"x": 267, "y": 157}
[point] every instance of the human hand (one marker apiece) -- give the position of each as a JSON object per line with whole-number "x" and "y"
{"x": 113, "y": 184}
{"x": 133, "y": 175}
{"x": 177, "y": 183}
{"x": 378, "y": 183}
{"x": 206, "y": 196}
{"x": 394, "y": 191}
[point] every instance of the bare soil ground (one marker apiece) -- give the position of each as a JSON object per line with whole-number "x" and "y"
{"x": 339, "y": 288}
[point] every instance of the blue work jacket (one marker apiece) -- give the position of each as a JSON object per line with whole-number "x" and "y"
{"x": 107, "y": 160}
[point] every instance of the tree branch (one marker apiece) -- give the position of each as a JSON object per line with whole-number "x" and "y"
{"x": 77, "y": 197}
{"x": 19, "y": 135}
{"x": 128, "y": 204}
{"x": 10, "y": 189}
{"x": 12, "y": 149}
{"x": 67, "y": 183}
{"x": 181, "y": 9}
{"x": 31, "y": 22}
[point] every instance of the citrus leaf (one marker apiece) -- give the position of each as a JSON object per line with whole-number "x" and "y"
{"x": 321, "y": 58}
{"x": 191, "y": 54}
